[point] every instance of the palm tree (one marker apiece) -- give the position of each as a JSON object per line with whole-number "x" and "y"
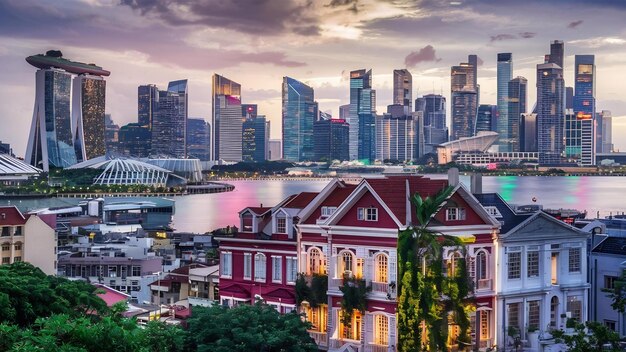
{"x": 427, "y": 295}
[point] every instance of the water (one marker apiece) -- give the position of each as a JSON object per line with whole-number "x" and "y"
{"x": 205, "y": 212}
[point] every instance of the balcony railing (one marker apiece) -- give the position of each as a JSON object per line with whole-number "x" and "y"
{"x": 338, "y": 343}
{"x": 377, "y": 348}
{"x": 334, "y": 283}
{"x": 384, "y": 287}
{"x": 319, "y": 338}
{"x": 484, "y": 284}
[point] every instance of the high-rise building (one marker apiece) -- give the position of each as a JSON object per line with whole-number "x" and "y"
{"x": 505, "y": 74}
{"x": 344, "y": 112}
{"x": 465, "y": 90}
{"x": 198, "y": 139}
{"x": 88, "y": 99}
{"x": 255, "y": 138}
{"x": 528, "y": 132}
{"x": 147, "y": 104}
{"x": 299, "y": 113}
{"x": 487, "y": 118}
{"x": 111, "y": 134}
{"x": 550, "y": 113}
{"x": 585, "y": 105}
{"x": 226, "y": 124}
{"x": 249, "y": 111}
{"x": 134, "y": 140}
{"x": 362, "y": 117}
{"x": 52, "y": 136}
{"x": 275, "y": 149}
{"x": 516, "y": 101}
{"x": 331, "y": 139}
{"x": 396, "y": 135}
{"x": 169, "y": 127}
{"x": 557, "y": 53}
{"x": 403, "y": 89}
{"x": 433, "y": 109}
{"x": 604, "y": 140}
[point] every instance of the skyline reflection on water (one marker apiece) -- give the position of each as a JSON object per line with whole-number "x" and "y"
{"x": 205, "y": 212}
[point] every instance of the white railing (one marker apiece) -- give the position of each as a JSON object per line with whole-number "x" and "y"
{"x": 377, "y": 348}
{"x": 384, "y": 287}
{"x": 334, "y": 283}
{"x": 484, "y": 284}
{"x": 319, "y": 338}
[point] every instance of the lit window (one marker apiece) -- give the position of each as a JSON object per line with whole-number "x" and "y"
{"x": 514, "y": 264}
{"x": 532, "y": 264}
{"x": 481, "y": 266}
{"x": 346, "y": 263}
{"x": 277, "y": 269}
{"x": 381, "y": 329}
{"x": 574, "y": 260}
{"x": 316, "y": 261}
{"x": 247, "y": 266}
{"x": 382, "y": 265}
{"x": 281, "y": 225}
{"x": 259, "y": 267}
{"x": 454, "y": 214}
{"x": 452, "y": 264}
{"x": 226, "y": 264}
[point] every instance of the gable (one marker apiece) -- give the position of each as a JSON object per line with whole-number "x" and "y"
{"x": 367, "y": 200}
{"x": 456, "y": 201}
{"x": 543, "y": 227}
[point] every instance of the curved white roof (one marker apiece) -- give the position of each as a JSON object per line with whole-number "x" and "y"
{"x": 480, "y": 142}
{"x": 118, "y": 164}
{"x": 12, "y": 166}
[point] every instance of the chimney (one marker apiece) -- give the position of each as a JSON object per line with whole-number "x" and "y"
{"x": 476, "y": 181}
{"x": 453, "y": 177}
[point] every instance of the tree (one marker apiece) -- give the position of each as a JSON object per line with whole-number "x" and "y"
{"x": 427, "y": 297}
{"x": 618, "y": 293}
{"x": 257, "y": 327}
{"x": 595, "y": 338}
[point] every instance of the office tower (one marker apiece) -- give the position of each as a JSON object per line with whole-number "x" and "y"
{"x": 249, "y": 111}
{"x": 433, "y": 109}
{"x": 226, "y": 123}
{"x": 134, "y": 140}
{"x": 487, "y": 118}
{"x": 464, "y": 98}
{"x": 550, "y": 113}
{"x": 569, "y": 97}
{"x": 528, "y": 132}
{"x": 331, "y": 137}
{"x": 403, "y": 89}
{"x": 585, "y": 105}
{"x": 51, "y": 138}
{"x": 362, "y": 116}
{"x": 396, "y": 137}
{"x": 505, "y": 74}
{"x": 573, "y": 137}
{"x": 344, "y": 112}
{"x": 516, "y": 101}
{"x": 275, "y": 149}
{"x": 111, "y": 134}
{"x": 88, "y": 100}
{"x": 147, "y": 104}
{"x": 169, "y": 127}
{"x": 604, "y": 122}
{"x": 198, "y": 139}
{"x": 255, "y": 138}
{"x": 299, "y": 113}
{"x": 557, "y": 53}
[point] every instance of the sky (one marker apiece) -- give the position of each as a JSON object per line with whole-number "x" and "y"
{"x": 257, "y": 42}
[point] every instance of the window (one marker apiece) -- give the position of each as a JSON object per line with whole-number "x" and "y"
{"x": 575, "y": 307}
{"x": 367, "y": 214}
{"x": 532, "y": 266}
{"x": 327, "y": 211}
{"x": 136, "y": 270}
{"x": 6, "y": 247}
{"x": 277, "y": 269}
{"x": 454, "y": 214}
{"x": 481, "y": 266}
{"x": 381, "y": 329}
{"x": 316, "y": 261}
{"x": 292, "y": 269}
{"x": 246, "y": 220}
{"x": 247, "y": 266}
{"x": 5, "y": 231}
{"x": 346, "y": 263}
{"x": 484, "y": 325}
{"x": 533, "y": 314}
{"x": 574, "y": 260}
{"x": 514, "y": 264}
{"x": 452, "y": 264}
{"x": 281, "y": 225}
{"x": 18, "y": 246}
{"x": 226, "y": 264}
{"x": 18, "y": 231}
{"x": 382, "y": 265}
{"x": 354, "y": 331}
{"x": 513, "y": 314}
{"x": 17, "y": 259}
{"x": 259, "y": 267}
{"x": 611, "y": 324}
{"x": 6, "y": 260}
{"x": 609, "y": 282}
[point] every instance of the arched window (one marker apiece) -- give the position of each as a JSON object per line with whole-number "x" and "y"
{"x": 260, "y": 267}
{"x": 381, "y": 329}
{"x": 481, "y": 265}
{"x": 381, "y": 273}
{"x": 452, "y": 264}
{"x": 346, "y": 263}
{"x": 316, "y": 261}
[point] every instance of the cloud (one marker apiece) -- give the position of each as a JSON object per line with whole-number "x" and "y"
{"x": 575, "y": 24}
{"x": 527, "y": 35}
{"x": 501, "y": 37}
{"x": 425, "y": 54}
{"x": 598, "y": 42}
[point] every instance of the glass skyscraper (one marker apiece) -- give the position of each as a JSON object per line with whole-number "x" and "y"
{"x": 299, "y": 114}
{"x": 198, "y": 139}
{"x": 362, "y": 117}
{"x": 433, "y": 109}
{"x": 465, "y": 90}
{"x": 331, "y": 139}
{"x": 516, "y": 105}
{"x": 505, "y": 74}
{"x": 88, "y": 116}
{"x": 147, "y": 104}
{"x": 487, "y": 118}
{"x": 169, "y": 127}
{"x": 255, "y": 138}
{"x": 134, "y": 140}
{"x": 226, "y": 124}
{"x": 550, "y": 113}
{"x": 403, "y": 89}
{"x": 585, "y": 106}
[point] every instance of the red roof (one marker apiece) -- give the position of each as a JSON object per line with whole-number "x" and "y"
{"x": 49, "y": 219}
{"x": 111, "y": 296}
{"x": 339, "y": 195}
{"x": 301, "y": 200}
{"x": 259, "y": 210}
{"x": 10, "y": 215}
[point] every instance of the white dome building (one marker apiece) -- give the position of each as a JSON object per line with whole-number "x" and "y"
{"x": 122, "y": 171}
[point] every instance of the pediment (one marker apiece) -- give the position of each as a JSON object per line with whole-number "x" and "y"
{"x": 542, "y": 226}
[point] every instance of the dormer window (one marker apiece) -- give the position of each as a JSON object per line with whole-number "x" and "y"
{"x": 246, "y": 222}
{"x": 455, "y": 214}
{"x": 281, "y": 224}
{"x": 327, "y": 211}
{"x": 367, "y": 214}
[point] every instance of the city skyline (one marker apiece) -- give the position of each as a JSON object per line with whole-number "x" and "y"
{"x": 319, "y": 48}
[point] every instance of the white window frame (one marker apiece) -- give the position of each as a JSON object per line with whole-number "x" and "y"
{"x": 455, "y": 214}
{"x": 247, "y": 266}
{"x": 316, "y": 262}
{"x": 536, "y": 264}
{"x": 292, "y": 270}
{"x": 327, "y": 211}
{"x": 484, "y": 269}
{"x": 381, "y": 329}
{"x": 342, "y": 265}
{"x": 278, "y": 226}
{"x": 574, "y": 261}
{"x": 519, "y": 265}
{"x": 367, "y": 214}
{"x": 277, "y": 269}
{"x": 260, "y": 267}
{"x": 381, "y": 268}
{"x": 226, "y": 265}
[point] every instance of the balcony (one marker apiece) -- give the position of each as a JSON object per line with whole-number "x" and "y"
{"x": 338, "y": 343}
{"x": 335, "y": 283}
{"x": 319, "y": 338}
{"x": 376, "y": 348}
{"x": 484, "y": 285}
{"x": 384, "y": 287}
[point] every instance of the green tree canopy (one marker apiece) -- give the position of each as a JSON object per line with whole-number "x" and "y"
{"x": 256, "y": 327}
{"x": 597, "y": 337}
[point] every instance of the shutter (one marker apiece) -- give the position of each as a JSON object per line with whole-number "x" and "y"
{"x": 393, "y": 268}
{"x": 369, "y": 329}
{"x": 304, "y": 261}
{"x": 332, "y": 318}
{"x": 369, "y": 269}
{"x": 392, "y": 330}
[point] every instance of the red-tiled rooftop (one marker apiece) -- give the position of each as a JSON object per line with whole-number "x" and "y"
{"x": 11, "y": 216}
{"x": 259, "y": 210}
{"x": 111, "y": 296}
{"x": 301, "y": 200}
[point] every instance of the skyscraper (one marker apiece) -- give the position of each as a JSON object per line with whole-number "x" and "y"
{"x": 550, "y": 113}
{"x": 147, "y": 104}
{"x": 557, "y": 53}
{"x": 255, "y": 138}
{"x": 465, "y": 92}
{"x": 403, "y": 89}
{"x": 528, "y": 132}
{"x": 226, "y": 124}
{"x": 52, "y": 136}
{"x": 396, "y": 135}
{"x": 275, "y": 149}
{"x": 169, "y": 127}
{"x": 134, "y": 140}
{"x": 607, "y": 131}
{"x": 362, "y": 119}
{"x": 88, "y": 100}
{"x": 505, "y": 74}
{"x": 487, "y": 118}
{"x": 198, "y": 139}
{"x": 299, "y": 113}
{"x": 516, "y": 101}
{"x": 344, "y": 112}
{"x": 433, "y": 109}
{"x": 331, "y": 139}
{"x": 111, "y": 134}
{"x": 585, "y": 105}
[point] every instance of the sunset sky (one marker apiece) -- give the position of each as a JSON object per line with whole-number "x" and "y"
{"x": 257, "y": 42}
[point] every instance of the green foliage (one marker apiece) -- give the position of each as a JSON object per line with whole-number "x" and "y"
{"x": 268, "y": 167}
{"x": 617, "y": 294}
{"x": 312, "y": 289}
{"x": 256, "y": 327}
{"x": 354, "y": 298}
{"x": 594, "y": 338}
